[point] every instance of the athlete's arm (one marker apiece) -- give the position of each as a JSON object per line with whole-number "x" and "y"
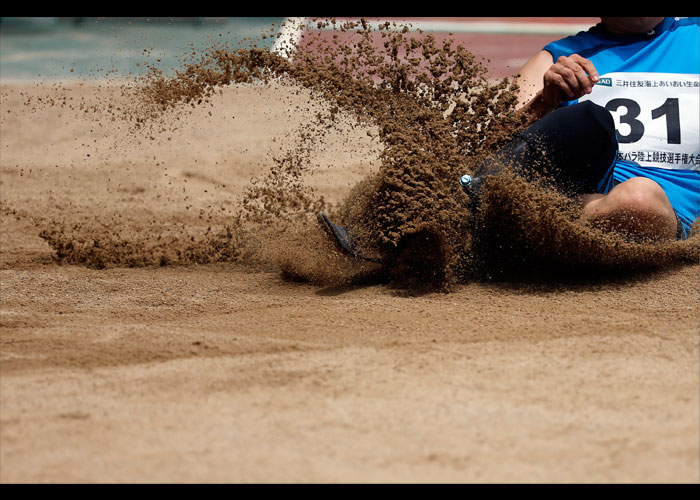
{"x": 544, "y": 84}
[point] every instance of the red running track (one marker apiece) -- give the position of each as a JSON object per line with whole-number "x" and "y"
{"x": 504, "y": 43}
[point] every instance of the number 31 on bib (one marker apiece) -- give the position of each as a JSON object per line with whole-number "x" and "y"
{"x": 657, "y": 117}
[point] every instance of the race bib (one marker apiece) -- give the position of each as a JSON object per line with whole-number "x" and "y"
{"x": 657, "y": 117}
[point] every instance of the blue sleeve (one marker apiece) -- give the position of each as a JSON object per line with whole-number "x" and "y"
{"x": 575, "y": 44}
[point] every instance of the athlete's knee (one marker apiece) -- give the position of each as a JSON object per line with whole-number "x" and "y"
{"x": 600, "y": 139}
{"x": 600, "y": 115}
{"x": 637, "y": 206}
{"x": 641, "y": 197}
{"x": 576, "y": 145}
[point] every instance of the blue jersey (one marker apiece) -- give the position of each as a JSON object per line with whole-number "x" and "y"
{"x": 650, "y": 83}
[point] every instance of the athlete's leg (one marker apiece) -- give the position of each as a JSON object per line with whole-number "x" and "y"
{"x": 637, "y": 207}
{"x": 572, "y": 148}
{"x": 577, "y": 146}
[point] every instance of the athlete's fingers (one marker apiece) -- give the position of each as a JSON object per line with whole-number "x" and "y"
{"x": 588, "y": 67}
{"x": 585, "y": 72}
{"x": 574, "y": 74}
{"x": 562, "y": 79}
{"x": 571, "y": 76}
{"x": 556, "y": 84}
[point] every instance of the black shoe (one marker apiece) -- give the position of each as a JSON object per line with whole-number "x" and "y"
{"x": 342, "y": 239}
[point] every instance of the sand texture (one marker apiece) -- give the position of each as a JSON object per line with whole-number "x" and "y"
{"x": 170, "y": 312}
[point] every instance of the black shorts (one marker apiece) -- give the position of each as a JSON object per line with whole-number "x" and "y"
{"x": 575, "y": 145}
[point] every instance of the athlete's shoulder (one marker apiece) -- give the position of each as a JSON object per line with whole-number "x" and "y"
{"x": 681, "y": 28}
{"x": 682, "y": 40}
{"x": 684, "y": 22}
{"x": 597, "y": 38}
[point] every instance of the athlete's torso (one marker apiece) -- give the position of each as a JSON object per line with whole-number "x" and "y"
{"x": 650, "y": 83}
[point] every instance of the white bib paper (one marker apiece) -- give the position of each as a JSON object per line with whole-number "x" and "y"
{"x": 657, "y": 117}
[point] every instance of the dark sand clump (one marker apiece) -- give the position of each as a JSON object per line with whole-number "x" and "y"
{"x": 436, "y": 115}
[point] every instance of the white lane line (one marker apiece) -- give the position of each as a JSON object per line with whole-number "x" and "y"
{"x": 481, "y": 27}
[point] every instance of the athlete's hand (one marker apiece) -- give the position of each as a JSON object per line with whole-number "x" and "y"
{"x": 567, "y": 79}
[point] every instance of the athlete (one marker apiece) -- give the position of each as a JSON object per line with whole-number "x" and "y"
{"x": 644, "y": 71}
{"x": 615, "y": 122}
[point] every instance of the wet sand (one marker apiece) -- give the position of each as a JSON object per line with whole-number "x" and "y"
{"x": 177, "y": 359}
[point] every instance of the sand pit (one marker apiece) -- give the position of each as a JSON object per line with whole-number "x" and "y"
{"x": 160, "y": 348}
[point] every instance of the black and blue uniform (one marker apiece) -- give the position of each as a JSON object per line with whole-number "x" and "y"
{"x": 650, "y": 84}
